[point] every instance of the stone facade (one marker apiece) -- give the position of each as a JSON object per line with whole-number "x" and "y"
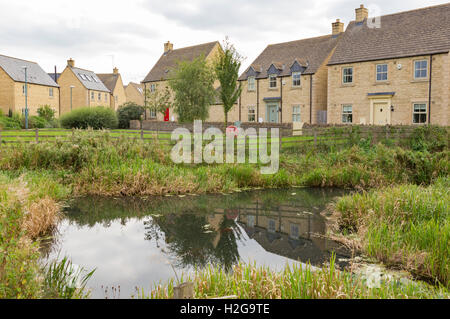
{"x": 133, "y": 94}
{"x": 12, "y": 96}
{"x": 395, "y": 96}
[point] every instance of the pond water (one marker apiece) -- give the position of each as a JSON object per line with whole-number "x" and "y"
{"x": 141, "y": 242}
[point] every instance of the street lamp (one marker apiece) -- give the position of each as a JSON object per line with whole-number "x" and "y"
{"x": 26, "y": 98}
{"x": 71, "y": 87}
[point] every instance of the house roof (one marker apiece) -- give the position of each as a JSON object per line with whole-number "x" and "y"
{"x": 89, "y": 79}
{"x": 54, "y": 78}
{"x": 169, "y": 60}
{"x": 137, "y": 86}
{"x": 309, "y": 53}
{"x": 411, "y": 33}
{"x": 35, "y": 74}
{"x": 109, "y": 80}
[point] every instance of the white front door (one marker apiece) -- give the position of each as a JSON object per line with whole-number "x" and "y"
{"x": 381, "y": 113}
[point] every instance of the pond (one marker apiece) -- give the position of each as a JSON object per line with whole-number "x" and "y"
{"x": 140, "y": 242}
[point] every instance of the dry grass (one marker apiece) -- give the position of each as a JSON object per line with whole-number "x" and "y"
{"x": 41, "y": 217}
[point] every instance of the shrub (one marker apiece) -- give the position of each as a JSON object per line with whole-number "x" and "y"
{"x": 430, "y": 138}
{"x": 127, "y": 112}
{"x": 46, "y": 112}
{"x": 10, "y": 122}
{"x": 95, "y": 117}
{"x": 34, "y": 122}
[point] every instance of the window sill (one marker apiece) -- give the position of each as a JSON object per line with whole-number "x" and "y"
{"x": 296, "y": 87}
{"x": 382, "y": 83}
{"x": 272, "y": 89}
{"x": 419, "y": 80}
{"x": 251, "y": 91}
{"x": 347, "y": 85}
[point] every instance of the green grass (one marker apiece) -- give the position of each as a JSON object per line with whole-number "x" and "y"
{"x": 406, "y": 226}
{"x": 295, "y": 282}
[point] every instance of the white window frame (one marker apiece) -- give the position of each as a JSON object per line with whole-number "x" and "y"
{"x": 344, "y": 113}
{"x": 92, "y": 95}
{"x": 272, "y": 76}
{"x": 415, "y": 69}
{"x": 296, "y": 115}
{"x": 99, "y": 96}
{"x": 152, "y": 113}
{"x": 251, "y": 83}
{"x": 382, "y": 72}
{"x": 414, "y": 112}
{"x": 251, "y": 111}
{"x": 50, "y": 92}
{"x": 294, "y": 80}
{"x": 344, "y": 76}
{"x": 152, "y": 87}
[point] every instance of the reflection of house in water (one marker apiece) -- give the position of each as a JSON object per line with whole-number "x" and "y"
{"x": 289, "y": 231}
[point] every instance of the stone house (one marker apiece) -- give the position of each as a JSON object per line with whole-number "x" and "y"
{"x": 157, "y": 78}
{"x": 288, "y": 81}
{"x": 394, "y": 69}
{"x": 40, "y": 89}
{"x": 81, "y": 88}
{"x": 135, "y": 93}
{"x": 113, "y": 81}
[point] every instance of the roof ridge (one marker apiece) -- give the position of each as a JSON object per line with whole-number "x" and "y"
{"x": 409, "y": 11}
{"x": 196, "y": 45}
{"x": 11, "y": 57}
{"x": 313, "y": 38}
{"x": 74, "y": 67}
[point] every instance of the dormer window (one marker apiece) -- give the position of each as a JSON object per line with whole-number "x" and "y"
{"x": 272, "y": 81}
{"x": 296, "y": 79}
{"x": 251, "y": 83}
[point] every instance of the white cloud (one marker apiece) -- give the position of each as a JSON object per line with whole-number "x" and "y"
{"x": 133, "y": 31}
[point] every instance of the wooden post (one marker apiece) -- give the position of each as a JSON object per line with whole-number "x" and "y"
{"x": 73, "y": 132}
{"x": 37, "y": 135}
{"x": 142, "y": 133}
{"x": 315, "y": 137}
{"x": 184, "y": 291}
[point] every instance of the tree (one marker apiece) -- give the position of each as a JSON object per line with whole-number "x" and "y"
{"x": 227, "y": 71}
{"x": 159, "y": 100}
{"x": 193, "y": 87}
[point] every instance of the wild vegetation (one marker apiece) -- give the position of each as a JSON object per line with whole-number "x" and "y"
{"x": 98, "y": 117}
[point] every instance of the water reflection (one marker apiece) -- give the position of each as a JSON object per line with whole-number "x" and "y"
{"x": 139, "y": 242}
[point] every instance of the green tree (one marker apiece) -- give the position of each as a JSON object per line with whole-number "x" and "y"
{"x": 127, "y": 112}
{"x": 193, "y": 85}
{"x": 159, "y": 100}
{"x": 227, "y": 71}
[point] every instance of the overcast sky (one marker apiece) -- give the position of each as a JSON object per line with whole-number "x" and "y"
{"x": 130, "y": 34}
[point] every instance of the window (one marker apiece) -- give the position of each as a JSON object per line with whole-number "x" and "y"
{"x": 421, "y": 69}
{"x": 419, "y": 113}
{"x": 347, "y": 114}
{"x": 95, "y": 79}
{"x": 251, "y": 114}
{"x": 99, "y": 96}
{"x": 271, "y": 226}
{"x": 24, "y": 89}
{"x": 294, "y": 231}
{"x": 347, "y": 75}
{"x": 92, "y": 96}
{"x": 296, "y": 76}
{"x": 152, "y": 88}
{"x": 251, "y": 83}
{"x": 272, "y": 81}
{"x": 152, "y": 114}
{"x": 382, "y": 72}
{"x": 106, "y": 97}
{"x": 50, "y": 92}
{"x": 296, "y": 113}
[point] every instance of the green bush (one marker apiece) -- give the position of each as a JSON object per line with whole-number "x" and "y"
{"x": 430, "y": 138}
{"x": 34, "y": 122}
{"x": 95, "y": 117}
{"x": 10, "y": 122}
{"x": 46, "y": 112}
{"x": 127, "y": 112}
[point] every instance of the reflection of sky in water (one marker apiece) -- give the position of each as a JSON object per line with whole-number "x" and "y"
{"x": 122, "y": 256}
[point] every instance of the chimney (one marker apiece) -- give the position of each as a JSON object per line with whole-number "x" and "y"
{"x": 168, "y": 46}
{"x": 116, "y": 71}
{"x": 361, "y": 13}
{"x": 337, "y": 27}
{"x": 71, "y": 63}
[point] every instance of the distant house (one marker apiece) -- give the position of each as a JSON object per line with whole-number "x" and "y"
{"x": 157, "y": 78}
{"x": 113, "y": 81}
{"x": 396, "y": 72}
{"x": 42, "y": 90}
{"x": 135, "y": 93}
{"x": 81, "y": 88}
{"x": 288, "y": 81}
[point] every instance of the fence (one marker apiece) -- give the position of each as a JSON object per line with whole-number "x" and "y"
{"x": 309, "y": 136}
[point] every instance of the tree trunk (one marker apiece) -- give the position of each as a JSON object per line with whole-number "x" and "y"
{"x": 226, "y": 119}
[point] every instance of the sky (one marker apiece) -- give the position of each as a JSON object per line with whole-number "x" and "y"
{"x": 130, "y": 35}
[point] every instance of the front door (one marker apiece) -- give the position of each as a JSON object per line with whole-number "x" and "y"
{"x": 272, "y": 113}
{"x": 380, "y": 113}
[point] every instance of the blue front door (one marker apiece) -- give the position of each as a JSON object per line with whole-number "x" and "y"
{"x": 272, "y": 113}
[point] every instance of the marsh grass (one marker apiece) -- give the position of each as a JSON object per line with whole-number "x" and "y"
{"x": 249, "y": 281}
{"x": 406, "y": 226}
